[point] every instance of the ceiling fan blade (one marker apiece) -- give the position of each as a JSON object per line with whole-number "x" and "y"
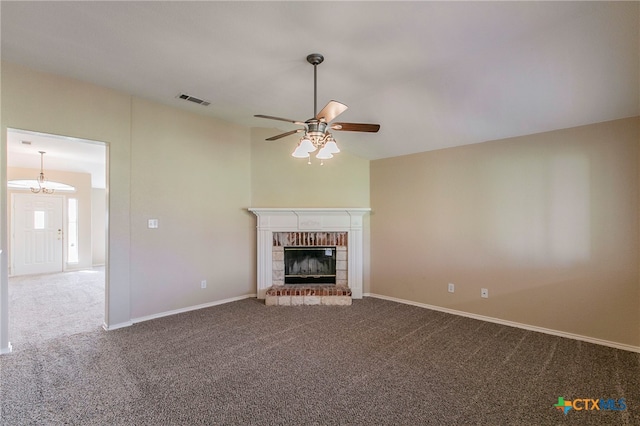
{"x": 331, "y": 111}
{"x": 273, "y": 138}
{"x": 356, "y": 127}
{"x": 280, "y": 119}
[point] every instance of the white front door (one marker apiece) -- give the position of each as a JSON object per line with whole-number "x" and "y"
{"x": 37, "y": 234}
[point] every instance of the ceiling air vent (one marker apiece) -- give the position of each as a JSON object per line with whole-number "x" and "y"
{"x": 193, "y": 99}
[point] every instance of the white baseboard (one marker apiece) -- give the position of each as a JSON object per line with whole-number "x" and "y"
{"x": 190, "y": 308}
{"x": 511, "y": 323}
{"x": 116, "y": 326}
{"x": 174, "y": 312}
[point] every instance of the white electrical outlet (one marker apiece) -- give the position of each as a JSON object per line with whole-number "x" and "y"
{"x": 484, "y": 293}
{"x": 203, "y": 284}
{"x": 451, "y": 288}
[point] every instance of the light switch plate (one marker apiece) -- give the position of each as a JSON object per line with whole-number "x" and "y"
{"x": 153, "y": 223}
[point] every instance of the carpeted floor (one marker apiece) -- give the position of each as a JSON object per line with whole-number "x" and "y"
{"x": 373, "y": 363}
{"x": 43, "y": 307}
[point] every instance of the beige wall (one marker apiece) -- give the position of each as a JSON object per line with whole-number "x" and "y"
{"x": 192, "y": 173}
{"x": 548, "y": 223}
{"x": 82, "y": 183}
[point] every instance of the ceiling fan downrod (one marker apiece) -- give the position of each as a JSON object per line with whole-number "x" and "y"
{"x": 315, "y": 59}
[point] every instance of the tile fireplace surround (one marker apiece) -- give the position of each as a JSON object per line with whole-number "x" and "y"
{"x": 307, "y": 224}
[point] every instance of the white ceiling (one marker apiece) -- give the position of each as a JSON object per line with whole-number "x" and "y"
{"x": 433, "y": 74}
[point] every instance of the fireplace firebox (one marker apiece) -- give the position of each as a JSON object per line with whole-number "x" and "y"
{"x": 309, "y": 265}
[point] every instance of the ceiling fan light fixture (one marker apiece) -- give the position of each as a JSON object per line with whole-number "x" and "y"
{"x": 332, "y": 147}
{"x": 300, "y": 152}
{"x": 324, "y": 154}
{"x": 306, "y": 144}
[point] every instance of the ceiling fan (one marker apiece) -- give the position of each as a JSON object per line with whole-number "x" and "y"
{"x": 316, "y": 129}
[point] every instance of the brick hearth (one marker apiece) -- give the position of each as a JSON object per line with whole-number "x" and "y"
{"x": 296, "y": 294}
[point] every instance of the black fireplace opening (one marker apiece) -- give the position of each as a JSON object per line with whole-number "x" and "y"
{"x": 309, "y": 265}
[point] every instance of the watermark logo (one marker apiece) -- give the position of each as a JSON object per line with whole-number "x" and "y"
{"x": 563, "y": 405}
{"x": 590, "y": 404}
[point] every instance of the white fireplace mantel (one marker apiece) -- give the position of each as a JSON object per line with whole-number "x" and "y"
{"x": 348, "y": 220}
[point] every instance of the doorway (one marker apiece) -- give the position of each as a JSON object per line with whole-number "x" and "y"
{"x": 58, "y": 240}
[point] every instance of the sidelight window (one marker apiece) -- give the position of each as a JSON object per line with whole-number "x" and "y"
{"x": 72, "y": 237}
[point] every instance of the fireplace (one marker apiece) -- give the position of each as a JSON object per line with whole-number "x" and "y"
{"x": 318, "y": 228}
{"x": 309, "y": 265}
{"x": 309, "y": 258}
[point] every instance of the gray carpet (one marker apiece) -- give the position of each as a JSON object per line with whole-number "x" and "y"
{"x": 373, "y": 363}
{"x": 43, "y": 307}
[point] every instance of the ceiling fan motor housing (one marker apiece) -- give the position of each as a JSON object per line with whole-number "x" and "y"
{"x": 316, "y": 126}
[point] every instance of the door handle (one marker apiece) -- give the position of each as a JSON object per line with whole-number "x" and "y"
{"x": 59, "y": 234}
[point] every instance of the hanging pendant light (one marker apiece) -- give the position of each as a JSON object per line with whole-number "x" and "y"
{"x": 41, "y": 179}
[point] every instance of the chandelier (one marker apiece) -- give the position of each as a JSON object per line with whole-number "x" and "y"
{"x": 40, "y": 184}
{"x": 41, "y": 179}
